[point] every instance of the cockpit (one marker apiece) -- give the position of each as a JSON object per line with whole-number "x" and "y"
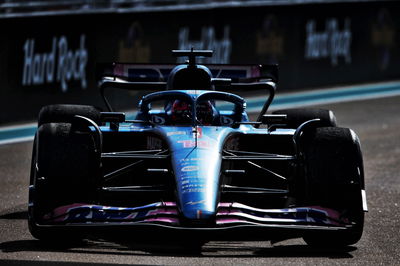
{"x": 184, "y": 108}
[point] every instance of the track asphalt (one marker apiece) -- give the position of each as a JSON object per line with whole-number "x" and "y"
{"x": 376, "y": 121}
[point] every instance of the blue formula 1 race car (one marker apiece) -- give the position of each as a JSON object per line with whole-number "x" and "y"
{"x": 191, "y": 163}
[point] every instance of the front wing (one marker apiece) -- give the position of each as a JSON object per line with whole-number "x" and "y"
{"x": 233, "y": 220}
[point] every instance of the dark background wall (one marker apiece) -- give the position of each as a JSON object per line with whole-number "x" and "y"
{"x": 52, "y": 59}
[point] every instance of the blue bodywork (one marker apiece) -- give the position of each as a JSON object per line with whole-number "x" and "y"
{"x": 196, "y": 150}
{"x": 195, "y": 161}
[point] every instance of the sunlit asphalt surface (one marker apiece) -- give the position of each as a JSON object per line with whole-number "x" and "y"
{"x": 377, "y": 122}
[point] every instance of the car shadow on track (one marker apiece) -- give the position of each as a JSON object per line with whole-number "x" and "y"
{"x": 49, "y": 263}
{"x": 283, "y": 251}
{"x": 18, "y": 215}
{"x": 167, "y": 248}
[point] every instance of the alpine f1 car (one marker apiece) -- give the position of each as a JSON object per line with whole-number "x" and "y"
{"x": 191, "y": 162}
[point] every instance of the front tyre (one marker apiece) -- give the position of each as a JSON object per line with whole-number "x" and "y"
{"x": 64, "y": 113}
{"x": 64, "y": 170}
{"x": 335, "y": 180}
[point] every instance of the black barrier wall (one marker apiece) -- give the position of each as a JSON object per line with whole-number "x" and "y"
{"x": 47, "y": 60}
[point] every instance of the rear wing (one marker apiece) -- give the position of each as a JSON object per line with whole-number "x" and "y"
{"x": 153, "y": 77}
{"x": 160, "y": 72}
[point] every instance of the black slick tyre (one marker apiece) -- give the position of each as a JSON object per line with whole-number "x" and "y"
{"x": 335, "y": 180}
{"x": 64, "y": 169}
{"x": 64, "y": 113}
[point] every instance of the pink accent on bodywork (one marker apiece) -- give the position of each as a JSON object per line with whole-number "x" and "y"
{"x": 228, "y": 221}
{"x": 59, "y": 214}
{"x": 166, "y": 212}
{"x": 119, "y": 70}
{"x": 255, "y": 72}
{"x": 162, "y": 211}
{"x": 224, "y": 205}
{"x": 335, "y": 215}
{"x": 163, "y": 220}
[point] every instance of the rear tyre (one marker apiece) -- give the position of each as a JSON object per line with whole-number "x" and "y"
{"x": 63, "y": 171}
{"x": 296, "y": 117}
{"x": 64, "y": 113}
{"x": 335, "y": 178}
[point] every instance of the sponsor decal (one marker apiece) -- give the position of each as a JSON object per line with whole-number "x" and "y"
{"x": 195, "y": 190}
{"x": 196, "y": 202}
{"x": 331, "y": 43}
{"x": 270, "y": 39}
{"x": 60, "y": 65}
{"x": 192, "y": 92}
{"x": 190, "y": 159}
{"x": 190, "y": 168}
{"x": 225, "y": 120}
{"x": 198, "y": 132}
{"x": 188, "y": 176}
{"x": 184, "y": 163}
{"x": 190, "y": 186}
{"x": 192, "y": 143}
{"x": 133, "y": 47}
{"x": 222, "y": 47}
{"x": 383, "y": 36}
{"x": 154, "y": 143}
{"x": 174, "y": 133}
{"x": 158, "y": 119}
{"x": 86, "y": 213}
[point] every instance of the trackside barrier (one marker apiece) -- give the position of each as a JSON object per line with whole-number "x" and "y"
{"x": 52, "y": 59}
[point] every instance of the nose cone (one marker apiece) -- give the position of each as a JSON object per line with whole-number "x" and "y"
{"x": 197, "y": 177}
{"x": 197, "y": 164}
{"x": 198, "y": 213}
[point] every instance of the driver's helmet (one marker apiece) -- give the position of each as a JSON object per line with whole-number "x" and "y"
{"x": 181, "y": 112}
